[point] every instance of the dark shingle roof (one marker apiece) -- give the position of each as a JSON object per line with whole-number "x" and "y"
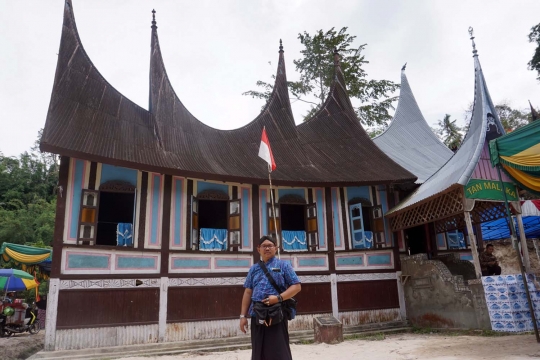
{"x": 88, "y": 118}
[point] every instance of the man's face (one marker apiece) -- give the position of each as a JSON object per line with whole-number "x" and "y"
{"x": 267, "y": 250}
{"x": 489, "y": 250}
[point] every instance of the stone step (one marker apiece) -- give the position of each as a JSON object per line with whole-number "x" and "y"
{"x": 225, "y": 344}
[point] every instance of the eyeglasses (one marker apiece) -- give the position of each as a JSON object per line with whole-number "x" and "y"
{"x": 267, "y": 246}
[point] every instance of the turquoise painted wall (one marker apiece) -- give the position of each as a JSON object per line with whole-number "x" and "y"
{"x": 77, "y": 185}
{"x": 203, "y": 185}
{"x": 358, "y": 191}
{"x": 110, "y": 172}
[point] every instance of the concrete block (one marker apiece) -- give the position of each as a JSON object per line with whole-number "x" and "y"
{"x": 328, "y": 330}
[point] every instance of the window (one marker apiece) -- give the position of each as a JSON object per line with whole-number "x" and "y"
{"x": 215, "y": 222}
{"x": 296, "y": 224}
{"x": 455, "y": 240}
{"x": 107, "y": 216}
{"x": 367, "y": 225}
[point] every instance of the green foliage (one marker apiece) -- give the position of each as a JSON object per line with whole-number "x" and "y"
{"x": 316, "y": 68}
{"x": 27, "y": 200}
{"x": 450, "y": 134}
{"x": 534, "y": 37}
{"x": 512, "y": 119}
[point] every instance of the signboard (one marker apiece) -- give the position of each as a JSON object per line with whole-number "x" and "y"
{"x": 490, "y": 190}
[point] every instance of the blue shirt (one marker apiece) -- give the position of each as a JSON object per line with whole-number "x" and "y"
{"x": 257, "y": 281}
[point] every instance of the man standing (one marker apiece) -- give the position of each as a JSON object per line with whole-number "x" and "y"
{"x": 268, "y": 342}
{"x": 489, "y": 263}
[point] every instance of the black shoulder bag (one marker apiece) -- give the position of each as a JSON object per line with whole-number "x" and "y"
{"x": 287, "y": 305}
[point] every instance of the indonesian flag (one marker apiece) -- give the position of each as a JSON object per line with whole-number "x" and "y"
{"x": 265, "y": 152}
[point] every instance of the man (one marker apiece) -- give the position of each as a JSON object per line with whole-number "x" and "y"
{"x": 268, "y": 342}
{"x": 489, "y": 263}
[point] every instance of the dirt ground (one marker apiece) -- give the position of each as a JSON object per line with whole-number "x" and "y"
{"x": 21, "y": 346}
{"x": 398, "y": 347}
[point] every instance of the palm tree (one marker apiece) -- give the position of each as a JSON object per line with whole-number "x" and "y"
{"x": 450, "y": 133}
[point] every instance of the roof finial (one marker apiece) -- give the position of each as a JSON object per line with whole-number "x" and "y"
{"x": 280, "y": 46}
{"x": 336, "y": 56}
{"x": 404, "y": 66}
{"x": 154, "y": 19}
{"x": 471, "y": 33}
{"x": 534, "y": 113}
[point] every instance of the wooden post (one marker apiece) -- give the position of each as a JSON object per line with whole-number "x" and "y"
{"x": 523, "y": 241}
{"x": 474, "y": 246}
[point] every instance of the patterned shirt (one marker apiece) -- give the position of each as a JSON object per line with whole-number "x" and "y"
{"x": 485, "y": 259}
{"x": 256, "y": 280}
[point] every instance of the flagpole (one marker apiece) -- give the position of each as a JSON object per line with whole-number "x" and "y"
{"x": 273, "y": 209}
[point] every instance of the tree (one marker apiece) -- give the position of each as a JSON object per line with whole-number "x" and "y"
{"x": 316, "y": 68}
{"x": 534, "y": 36}
{"x": 449, "y": 132}
{"x": 511, "y": 119}
{"x": 27, "y": 200}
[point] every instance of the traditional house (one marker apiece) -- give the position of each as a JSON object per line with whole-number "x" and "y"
{"x": 158, "y": 213}
{"x": 464, "y": 192}
{"x": 411, "y": 143}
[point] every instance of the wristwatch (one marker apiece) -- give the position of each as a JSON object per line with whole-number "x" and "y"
{"x": 242, "y": 316}
{"x": 280, "y": 299}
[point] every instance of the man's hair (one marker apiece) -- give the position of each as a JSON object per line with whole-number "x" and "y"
{"x": 489, "y": 245}
{"x": 267, "y": 237}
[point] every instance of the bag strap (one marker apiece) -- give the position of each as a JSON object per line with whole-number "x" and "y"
{"x": 270, "y": 278}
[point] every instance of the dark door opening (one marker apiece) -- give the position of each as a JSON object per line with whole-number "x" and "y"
{"x": 366, "y": 218}
{"x": 416, "y": 239}
{"x": 293, "y": 217}
{"x": 212, "y": 214}
{"x": 114, "y": 208}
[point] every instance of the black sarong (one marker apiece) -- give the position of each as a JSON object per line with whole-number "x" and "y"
{"x": 270, "y": 343}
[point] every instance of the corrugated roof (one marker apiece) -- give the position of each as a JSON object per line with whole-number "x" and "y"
{"x": 88, "y": 118}
{"x": 409, "y": 140}
{"x": 458, "y": 170}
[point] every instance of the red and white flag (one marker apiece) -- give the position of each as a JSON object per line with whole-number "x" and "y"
{"x": 265, "y": 151}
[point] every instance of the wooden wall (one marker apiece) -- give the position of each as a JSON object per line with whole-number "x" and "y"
{"x": 367, "y": 295}
{"x": 223, "y": 302}
{"x": 107, "y": 307}
{"x": 314, "y": 299}
{"x": 204, "y": 303}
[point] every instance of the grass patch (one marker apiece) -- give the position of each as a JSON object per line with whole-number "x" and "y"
{"x": 368, "y": 337}
{"x": 459, "y": 332}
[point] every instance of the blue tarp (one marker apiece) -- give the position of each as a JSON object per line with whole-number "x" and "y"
{"x": 498, "y": 229}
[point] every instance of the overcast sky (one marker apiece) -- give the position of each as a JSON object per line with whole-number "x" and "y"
{"x": 215, "y": 50}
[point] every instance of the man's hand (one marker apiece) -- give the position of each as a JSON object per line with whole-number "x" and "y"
{"x": 271, "y": 300}
{"x": 243, "y": 325}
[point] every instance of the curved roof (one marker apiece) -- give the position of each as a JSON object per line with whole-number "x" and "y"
{"x": 484, "y": 126}
{"x": 89, "y": 119}
{"x": 409, "y": 140}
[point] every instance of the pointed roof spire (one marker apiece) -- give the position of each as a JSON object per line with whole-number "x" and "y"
{"x": 280, "y": 46}
{"x": 336, "y": 56}
{"x": 471, "y": 33}
{"x": 534, "y": 113}
{"x": 154, "y": 26}
{"x": 404, "y": 66}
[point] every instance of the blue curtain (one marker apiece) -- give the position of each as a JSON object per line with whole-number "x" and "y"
{"x": 366, "y": 242}
{"x": 213, "y": 239}
{"x": 124, "y": 234}
{"x": 294, "y": 240}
